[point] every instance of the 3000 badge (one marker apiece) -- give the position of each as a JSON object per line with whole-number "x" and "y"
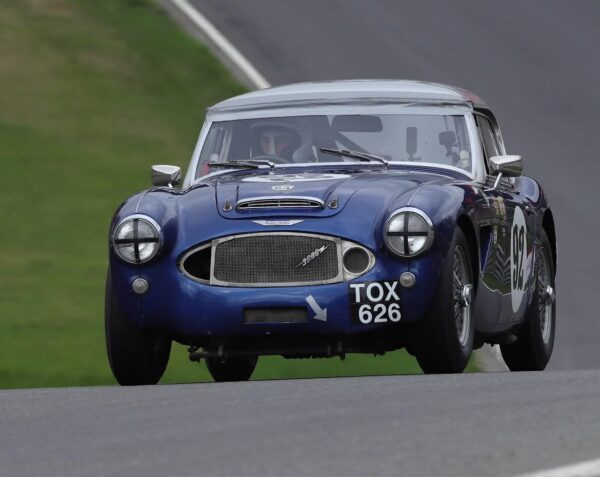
{"x": 374, "y": 302}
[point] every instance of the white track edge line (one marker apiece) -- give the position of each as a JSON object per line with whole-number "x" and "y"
{"x": 589, "y": 468}
{"x": 222, "y": 43}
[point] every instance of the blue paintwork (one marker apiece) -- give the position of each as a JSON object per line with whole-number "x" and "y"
{"x": 366, "y": 200}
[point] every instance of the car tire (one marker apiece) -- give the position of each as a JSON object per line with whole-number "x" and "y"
{"x": 535, "y": 340}
{"x": 236, "y": 368}
{"x": 445, "y": 337}
{"x": 137, "y": 356}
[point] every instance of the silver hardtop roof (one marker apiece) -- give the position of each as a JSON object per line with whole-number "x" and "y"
{"x": 348, "y": 92}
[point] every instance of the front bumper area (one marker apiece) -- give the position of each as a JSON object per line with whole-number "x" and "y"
{"x": 186, "y": 308}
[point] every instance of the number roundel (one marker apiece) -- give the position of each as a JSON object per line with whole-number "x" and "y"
{"x": 518, "y": 259}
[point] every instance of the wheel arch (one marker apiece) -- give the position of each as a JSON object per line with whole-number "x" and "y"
{"x": 549, "y": 228}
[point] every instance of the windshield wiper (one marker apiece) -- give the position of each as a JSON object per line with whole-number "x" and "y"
{"x": 246, "y": 164}
{"x": 361, "y": 156}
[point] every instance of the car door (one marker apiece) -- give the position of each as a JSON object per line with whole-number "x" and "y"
{"x": 492, "y": 297}
{"x": 519, "y": 230}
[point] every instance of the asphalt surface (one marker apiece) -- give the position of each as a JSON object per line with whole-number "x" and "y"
{"x": 486, "y": 424}
{"x": 536, "y": 64}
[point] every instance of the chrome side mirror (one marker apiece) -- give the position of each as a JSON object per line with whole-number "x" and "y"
{"x": 505, "y": 166}
{"x": 508, "y": 166}
{"x": 163, "y": 175}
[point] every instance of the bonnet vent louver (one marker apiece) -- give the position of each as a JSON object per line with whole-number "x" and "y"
{"x": 280, "y": 203}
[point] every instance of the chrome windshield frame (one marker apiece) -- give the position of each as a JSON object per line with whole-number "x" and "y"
{"x": 477, "y": 173}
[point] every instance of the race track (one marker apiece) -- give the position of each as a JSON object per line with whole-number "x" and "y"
{"x": 536, "y": 64}
{"x": 484, "y": 425}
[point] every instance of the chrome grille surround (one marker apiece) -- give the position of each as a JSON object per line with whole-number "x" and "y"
{"x": 280, "y": 202}
{"x": 274, "y": 259}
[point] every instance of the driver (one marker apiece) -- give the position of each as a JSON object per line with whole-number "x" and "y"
{"x": 277, "y": 138}
{"x": 277, "y": 141}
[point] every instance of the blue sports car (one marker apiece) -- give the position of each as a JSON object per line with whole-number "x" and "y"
{"x": 321, "y": 219}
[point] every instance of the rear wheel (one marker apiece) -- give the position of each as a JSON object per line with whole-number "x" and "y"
{"x": 137, "y": 356}
{"x": 535, "y": 341}
{"x": 237, "y": 368}
{"x": 445, "y": 338}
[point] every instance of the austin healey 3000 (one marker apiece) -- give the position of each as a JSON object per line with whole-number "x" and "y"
{"x": 321, "y": 219}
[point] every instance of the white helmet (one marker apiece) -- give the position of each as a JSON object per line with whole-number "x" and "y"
{"x": 282, "y": 137}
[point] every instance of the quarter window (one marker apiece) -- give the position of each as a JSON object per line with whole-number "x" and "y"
{"x": 490, "y": 144}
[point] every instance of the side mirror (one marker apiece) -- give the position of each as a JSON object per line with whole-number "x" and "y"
{"x": 163, "y": 175}
{"x": 508, "y": 166}
{"x": 505, "y": 166}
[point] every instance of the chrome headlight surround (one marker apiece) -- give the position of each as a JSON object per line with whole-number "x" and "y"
{"x": 408, "y": 232}
{"x": 137, "y": 239}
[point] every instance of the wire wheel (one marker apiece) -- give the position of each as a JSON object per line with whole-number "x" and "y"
{"x": 545, "y": 296}
{"x": 462, "y": 295}
{"x": 445, "y": 335}
{"x": 535, "y": 339}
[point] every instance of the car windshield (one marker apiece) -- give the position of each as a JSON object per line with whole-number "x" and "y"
{"x": 411, "y": 138}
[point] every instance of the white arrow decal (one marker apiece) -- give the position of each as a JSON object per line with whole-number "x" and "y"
{"x": 320, "y": 314}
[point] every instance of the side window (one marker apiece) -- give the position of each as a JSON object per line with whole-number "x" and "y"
{"x": 216, "y": 147}
{"x": 490, "y": 144}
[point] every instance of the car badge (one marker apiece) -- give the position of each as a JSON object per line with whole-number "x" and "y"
{"x": 312, "y": 255}
{"x": 282, "y": 187}
{"x": 277, "y": 222}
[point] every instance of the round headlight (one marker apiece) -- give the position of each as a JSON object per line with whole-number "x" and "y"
{"x": 137, "y": 239}
{"x": 408, "y": 232}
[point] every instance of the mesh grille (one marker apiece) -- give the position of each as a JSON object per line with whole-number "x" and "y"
{"x": 274, "y": 258}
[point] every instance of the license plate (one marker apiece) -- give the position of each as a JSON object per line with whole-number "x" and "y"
{"x": 374, "y": 302}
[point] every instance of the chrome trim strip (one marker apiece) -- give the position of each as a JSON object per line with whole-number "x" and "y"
{"x": 269, "y": 223}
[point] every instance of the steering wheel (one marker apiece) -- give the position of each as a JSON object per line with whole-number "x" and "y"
{"x": 269, "y": 157}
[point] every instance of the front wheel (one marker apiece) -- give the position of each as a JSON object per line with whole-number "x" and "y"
{"x": 445, "y": 338}
{"x": 137, "y": 356}
{"x": 535, "y": 341}
{"x": 236, "y": 368}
